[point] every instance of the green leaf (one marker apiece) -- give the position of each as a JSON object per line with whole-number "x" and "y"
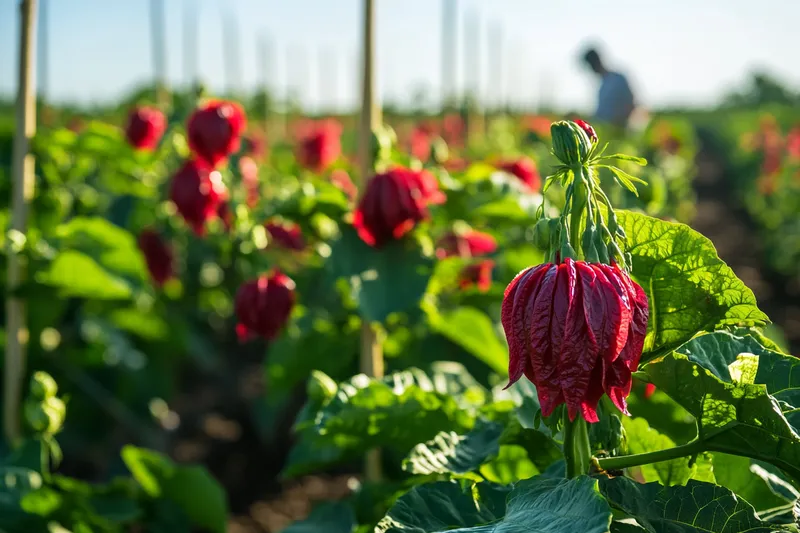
{"x": 16, "y": 484}
{"x": 732, "y": 416}
{"x": 474, "y": 331}
{"x": 511, "y": 464}
{"x": 625, "y": 179}
{"x": 642, "y": 438}
{"x": 734, "y": 472}
{"x": 396, "y": 413}
{"x": 541, "y": 504}
{"x": 505, "y": 210}
{"x": 451, "y": 453}
{"x": 331, "y": 517}
{"x": 696, "y": 507}
{"x": 78, "y": 275}
{"x": 191, "y": 488}
{"x": 624, "y": 157}
{"x": 385, "y": 280}
{"x": 690, "y": 289}
{"x": 443, "y": 506}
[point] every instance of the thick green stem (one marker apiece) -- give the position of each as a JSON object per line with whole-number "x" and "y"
{"x": 579, "y": 198}
{"x": 577, "y": 450}
{"x": 627, "y": 461}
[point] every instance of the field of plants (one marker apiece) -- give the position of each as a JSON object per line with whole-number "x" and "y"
{"x": 219, "y": 319}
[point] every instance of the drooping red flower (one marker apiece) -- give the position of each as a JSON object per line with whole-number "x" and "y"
{"x": 249, "y": 172}
{"x": 341, "y": 180}
{"x": 420, "y": 144}
{"x": 320, "y": 146}
{"x": 525, "y": 169}
{"x": 263, "y": 306}
{"x": 585, "y": 126}
{"x": 286, "y": 234}
{"x": 145, "y": 127}
{"x": 576, "y": 330}
{"x": 393, "y": 203}
{"x": 477, "y": 274}
{"x": 467, "y": 244}
{"x": 157, "y": 255}
{"x": 197, "y": 193}
{"x": 215, "y": 131}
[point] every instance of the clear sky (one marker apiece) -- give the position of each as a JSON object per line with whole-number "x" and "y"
{"x": 676, "y": 51}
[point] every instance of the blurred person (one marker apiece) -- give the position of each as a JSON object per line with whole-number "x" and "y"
{"x": 615, "y": 99}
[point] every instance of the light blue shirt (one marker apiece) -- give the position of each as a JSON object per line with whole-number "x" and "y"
{"x": 615, "y": 101}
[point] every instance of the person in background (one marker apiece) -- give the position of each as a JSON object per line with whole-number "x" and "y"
{"x": 615, "y": 100}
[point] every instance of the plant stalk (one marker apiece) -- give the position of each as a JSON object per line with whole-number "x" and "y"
{"x": 22, "y": 176}
{"x": 372, "y": 363}
{"x": 577, "y": 450}
{"x": 628, "y": 461}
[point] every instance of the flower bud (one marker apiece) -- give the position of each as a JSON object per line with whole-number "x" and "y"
{"x": 588, "y": 129}
{"x": 393, "y": 203}
{"x": 576, "y": 330}
{"x": 157, "y": 255}
{"x": 263, "y": 306}
{"x": 215, "y": 130}
{"x": 571, "y": 144}
{"x": 197, "y": 193}
{"x": 42, "y": 385}
{"x": 321, "y": 387}
{"x": 145, "y": 127}
{"x": 542, "y": 232}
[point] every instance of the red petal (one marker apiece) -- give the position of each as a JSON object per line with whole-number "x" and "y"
{"x": 517, "y": 294}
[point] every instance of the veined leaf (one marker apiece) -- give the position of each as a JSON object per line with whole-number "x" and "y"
{"x": 689, "y": 287}
{"x": 473, "y": 330}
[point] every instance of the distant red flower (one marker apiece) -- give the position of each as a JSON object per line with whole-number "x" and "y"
{"x": 215, "y": 130}
{"x": 254, "y": 145}
{"x": 249, "y": 172}
{"x": 197, "y": 193}
{"x": 453, "y": 129}
{"x": 420, "y": 144}
{"x": 793, "y": 143}
{"x": 286, "y": 235}
{"x": 320, "y": 146}
{"x": 157, "y": 255}
{"x": 525, "y": 169}
{"x": 649, "y": 390}
{"x": 145, "y": 127}
{"x": 468, "y": 244}
{"x": 263, "y": 306}
{"x": 393, "y": 203}
{"x": 477, "y": 274}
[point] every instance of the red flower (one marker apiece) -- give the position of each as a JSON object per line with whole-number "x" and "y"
{"x": 793, "y": 143}
{"x": 393, "y": 203}
{"x": 478, "y": 274}
{"x": 421, "y": 144}
{"x": 320, "y": 146}
{"x": 158, "y": 256}
{"x": 649, "y": 390}
{"x": 263, "y": 306}
{"x": 145, "y": 127}
{"x": 585, "y": 126}
{"x": 215, "y": 130}
{"x": 525, "y": 169}
{"x": 286, "y": 235}
{"x": 249, "y": 171}
{"x": 197, "y": 193}
{"x": 341, "y": 180}
{"x": 470, "y": 243}
{"x": 576, "y": 330}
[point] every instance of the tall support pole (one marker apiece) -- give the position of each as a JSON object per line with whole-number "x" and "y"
{"x": 372, "y": 363}
{"x": 159, "y": 50}
{"x": 22, "y": 175}
{"x": 449, "y": 51}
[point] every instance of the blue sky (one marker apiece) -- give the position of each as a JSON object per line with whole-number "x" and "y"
{"x": 681, "y": 51}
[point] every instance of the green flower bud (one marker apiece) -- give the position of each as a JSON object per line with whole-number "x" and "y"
{"x": 42, "y": 385}
{"x": 571, "y": 145}
{"x": 542, "y": 233}
{"x": 321, "y": 387}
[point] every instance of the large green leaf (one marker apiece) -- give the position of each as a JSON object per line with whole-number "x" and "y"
{"x": 689, "y": 287}
{"x": 641, "y": 438}
{"x": 537, "y": 505}
{"x": 451, "y": 453}
{"x": 736, "y": 416}
{"x": 77, "y": 275}
{"x": 113, "y": 247}
{"x": 734, "y": 472}
{"x": 474, "y": 331}
{"x": 696, "y": 507}
{"x": 191, "y": 488}
{"x": 396, "y": 412}
{"x": 331, "y": 517}
{"x": 383, "y": 280}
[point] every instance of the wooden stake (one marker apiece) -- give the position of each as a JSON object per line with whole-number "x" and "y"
{"x": 449, "y": 52}
{"x": 22, "y": 168}
{"x": 372, "y": 363}
{"x": 159, "y": 52}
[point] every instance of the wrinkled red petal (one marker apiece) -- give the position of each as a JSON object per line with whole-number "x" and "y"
{"x": 617, "y": 286}
{"x": 543, "y": 356}
{"x": 517, "y": 295}
{"x": 594, "y": 393}
{"x": 617, "y": 383}
{"x": 637, "y": 332}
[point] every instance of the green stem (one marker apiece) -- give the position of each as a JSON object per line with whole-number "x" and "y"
{"x": 577, "y": 450}
{"x": 627, "y": 461}
{"x": 579, "y": 199}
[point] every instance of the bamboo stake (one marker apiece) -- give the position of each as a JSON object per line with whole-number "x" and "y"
{"x": 22, "y": 168}
{"x": 449, "y": 50}
{"x": 372, "y": 363}
{"x": 190, "y": 22}
{"x": 159, "y": 52}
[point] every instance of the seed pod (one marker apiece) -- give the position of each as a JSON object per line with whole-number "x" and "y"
{"x": 42, "y": 385}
